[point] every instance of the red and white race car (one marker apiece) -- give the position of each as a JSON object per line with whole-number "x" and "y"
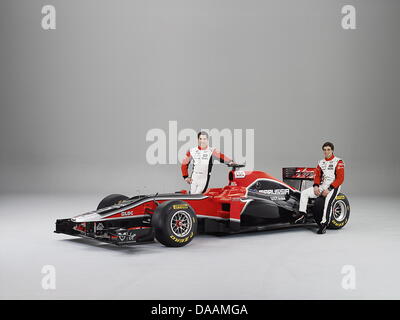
{"x": 252, "y": 201}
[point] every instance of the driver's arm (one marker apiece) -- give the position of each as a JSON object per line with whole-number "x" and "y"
{"x": 317, "y": 176}
{"x": 339, "y": 171}
{"x": 221, "y": 157}
{"x": 185, "y": 164}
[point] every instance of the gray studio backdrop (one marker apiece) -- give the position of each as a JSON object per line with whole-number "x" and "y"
{"x": 76, "y": 102}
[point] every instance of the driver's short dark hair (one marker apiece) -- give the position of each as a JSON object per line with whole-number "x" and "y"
{"x": 202, "y": 133}
{"x": 328, "y": 144}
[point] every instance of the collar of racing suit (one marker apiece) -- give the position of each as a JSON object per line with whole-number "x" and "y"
{"x": 200, "y": 148}
{"x": 330, "y": 158}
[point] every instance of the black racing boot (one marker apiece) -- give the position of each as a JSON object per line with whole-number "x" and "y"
{"x": 322, "y": 228}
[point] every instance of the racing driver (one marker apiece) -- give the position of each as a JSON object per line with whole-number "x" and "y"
{"x": 202, "y": 157}
{"x": 329, "y": 176}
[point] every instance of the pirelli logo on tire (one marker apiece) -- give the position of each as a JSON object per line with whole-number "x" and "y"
{"x": 339, "y": 224}
{"x": 180, "y": 206}
{"x": 182, "y": 240}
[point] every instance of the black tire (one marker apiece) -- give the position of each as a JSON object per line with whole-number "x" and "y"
{"x": 111, "y": 200}
{"x": 340, "y": 212}
{"x": 168, "y": 233}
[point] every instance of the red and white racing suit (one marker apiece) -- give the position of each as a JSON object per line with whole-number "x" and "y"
{"x": 202, "y": 164}
{"x": 329, "y": 174}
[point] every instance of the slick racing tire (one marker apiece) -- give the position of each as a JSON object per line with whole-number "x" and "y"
{"x": 174, "y": 223}
{"x": 340, "y": 212}
{"x": 111, "y": 200}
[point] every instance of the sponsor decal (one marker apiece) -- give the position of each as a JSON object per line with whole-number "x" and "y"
{"x": 127, "y": 236}
{"x": 80, "y": 227}
{"x": 276, "y": 198}
{"x": 304, "y": 173}
{"x": 240, "y": 174}
{"x": 275, "y": 192}
{"x": 127, "y": 213}
{"x": 131, "y": 236}
{"x": 122, "y": 236}
{"x": 180, "y": 206}
{"x": 339, "y": 224}
{"x": 99, "y": 226}
{"x": 181, "y": 240}
{"x": 340, "y": 197}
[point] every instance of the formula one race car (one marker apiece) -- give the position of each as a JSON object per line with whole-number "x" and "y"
{"x": 252, "y": 201}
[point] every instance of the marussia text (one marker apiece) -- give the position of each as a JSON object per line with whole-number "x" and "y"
{"x": 199, "y": 309}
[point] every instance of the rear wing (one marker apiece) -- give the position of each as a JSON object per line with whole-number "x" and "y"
{"x": 301, "y": 173}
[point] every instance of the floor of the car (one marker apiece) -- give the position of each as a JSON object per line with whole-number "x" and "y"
{"x": 276, "y": 226}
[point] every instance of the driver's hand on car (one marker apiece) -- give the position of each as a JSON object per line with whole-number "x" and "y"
{"x": 316, "y": 191}
{"x": 188, "y": 180}
{"x": 325, "y": 192}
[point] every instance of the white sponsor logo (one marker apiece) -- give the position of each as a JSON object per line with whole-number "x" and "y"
{"x": 275, "y": 192}
{"x": 126, "y": 213}
{"x": 240, "y": 174}
{"x": 99, "y": 226}
{"x": 131, "y": 236}
{"x": 122, "y": 236}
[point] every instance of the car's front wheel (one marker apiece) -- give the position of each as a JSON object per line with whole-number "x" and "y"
{"x": 174, "y": 223}
{"x": 111, "y": 200}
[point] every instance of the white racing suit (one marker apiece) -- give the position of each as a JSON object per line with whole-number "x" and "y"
{"x": 329, "y": 174}
{"x": 202, "y": 165}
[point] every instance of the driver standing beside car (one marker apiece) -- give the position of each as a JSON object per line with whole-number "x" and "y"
{"x": 202, "y": 157}
{"x": 329, "y": 176}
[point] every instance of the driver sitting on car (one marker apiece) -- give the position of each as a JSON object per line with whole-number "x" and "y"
{"x": 203, "y": 157}
{"x": 329, "y": 176}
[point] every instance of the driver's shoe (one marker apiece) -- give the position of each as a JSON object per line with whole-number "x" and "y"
{"x": 322, "y": 228}
{"x": 300, "y": 217}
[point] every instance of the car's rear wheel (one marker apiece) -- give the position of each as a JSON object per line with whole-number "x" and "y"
{"x": 174, "y": 223}
{"x": 111, "y": 200}
{"x": 340, "y": 212}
